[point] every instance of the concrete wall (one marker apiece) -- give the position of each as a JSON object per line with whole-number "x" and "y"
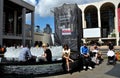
{"x": 33, "y": 69}
{"x": 45, "y": 38}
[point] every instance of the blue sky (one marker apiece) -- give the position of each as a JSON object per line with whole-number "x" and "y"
{"x": 42, "y": 21}
{"x": 43, "y": 14}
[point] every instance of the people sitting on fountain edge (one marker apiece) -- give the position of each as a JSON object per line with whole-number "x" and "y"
{"x": 96, "y": 55}
{"x": 25, "y": 55}
{"x": 2, "y": 50}
{"x": 66, "y": 56}
{"x": 47, "y": 54}
{"x": 87, "y": 63}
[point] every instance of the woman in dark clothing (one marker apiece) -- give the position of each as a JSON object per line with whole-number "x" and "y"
{"x": 47, "y": 53}
{"x": 110, "y": 45}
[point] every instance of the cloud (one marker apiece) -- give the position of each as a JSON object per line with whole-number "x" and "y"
{"x": 43, "y": 7}
{"x": 33, "y": 2}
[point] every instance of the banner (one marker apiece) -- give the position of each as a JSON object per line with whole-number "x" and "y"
{"x": 118, "y": 19}
{"x": 68, "y": 26}
{"x": 88, "y": 33}
{"x": 66, "y": 31}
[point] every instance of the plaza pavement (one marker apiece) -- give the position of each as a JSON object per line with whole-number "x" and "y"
{"x": 100, "y": 71}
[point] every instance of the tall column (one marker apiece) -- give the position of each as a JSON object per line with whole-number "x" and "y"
{"x": 32, "y": 28}
{"x": 83, "y": 20}
{"x": 99, "y": 21}
{"x": 116, "y": 26}
{"x": 15, "y": 21}
{"x": 1, "y": 21}
{"x": 23, "y": 25}
{"x": 83, "y": 24}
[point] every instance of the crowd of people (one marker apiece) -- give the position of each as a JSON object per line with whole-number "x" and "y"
{"x": 26, "y": 56}
{"x": 90, "y": 58}
{"x": 85, "y": 54}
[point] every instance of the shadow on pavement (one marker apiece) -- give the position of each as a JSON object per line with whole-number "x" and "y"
{"x": 34, "y": 76}
{"x": 115, "y": 71}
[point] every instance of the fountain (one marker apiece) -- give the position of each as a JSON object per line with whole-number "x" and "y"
{"x": 13, "y": 53}
{"x": 37, "y": 68}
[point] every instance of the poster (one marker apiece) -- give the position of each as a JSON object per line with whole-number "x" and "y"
{"x": 68, "y": 26}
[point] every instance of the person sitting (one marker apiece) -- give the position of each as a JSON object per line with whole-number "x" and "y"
{"x": 94, "y": 54}
{"x": 47, "y": 55}
{"x": 87, "y": 63}
{"x": 66, "y": 56}
{"x": 111, "y": 56}
{"x": 2, "y": 51}
{"x": 25, "y": 54}
{"x": 110, "y": 45}
{"x": 97, "y": 55}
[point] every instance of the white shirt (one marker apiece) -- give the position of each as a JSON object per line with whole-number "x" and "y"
{"x": 96, "y": 51}
{"x": 66, "y": 51}
{"x": 110, "y": 53}
{"x": 25, "y": 51}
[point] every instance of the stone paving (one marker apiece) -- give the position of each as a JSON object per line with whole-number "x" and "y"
{"x": 100, "y": 71}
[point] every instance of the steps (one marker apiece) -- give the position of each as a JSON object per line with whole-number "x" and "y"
{"x": 104, "y": 50}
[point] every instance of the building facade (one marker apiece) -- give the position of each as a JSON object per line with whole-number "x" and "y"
{"x": 44, "y": 38}
{"x": 47, "y": 29}
{"x": 101, "y": 21}
{"x": 13, "y": 28}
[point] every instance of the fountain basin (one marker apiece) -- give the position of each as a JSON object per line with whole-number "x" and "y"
{"x": 30, "y": 68}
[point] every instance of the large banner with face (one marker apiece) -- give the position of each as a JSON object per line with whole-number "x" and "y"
{"x": 67, "y": 25}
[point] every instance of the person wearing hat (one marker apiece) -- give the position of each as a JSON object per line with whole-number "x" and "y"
{"x": 47, "y": 53}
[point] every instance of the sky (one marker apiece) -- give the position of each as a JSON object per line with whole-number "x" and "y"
{"x": 43, "y": 8}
